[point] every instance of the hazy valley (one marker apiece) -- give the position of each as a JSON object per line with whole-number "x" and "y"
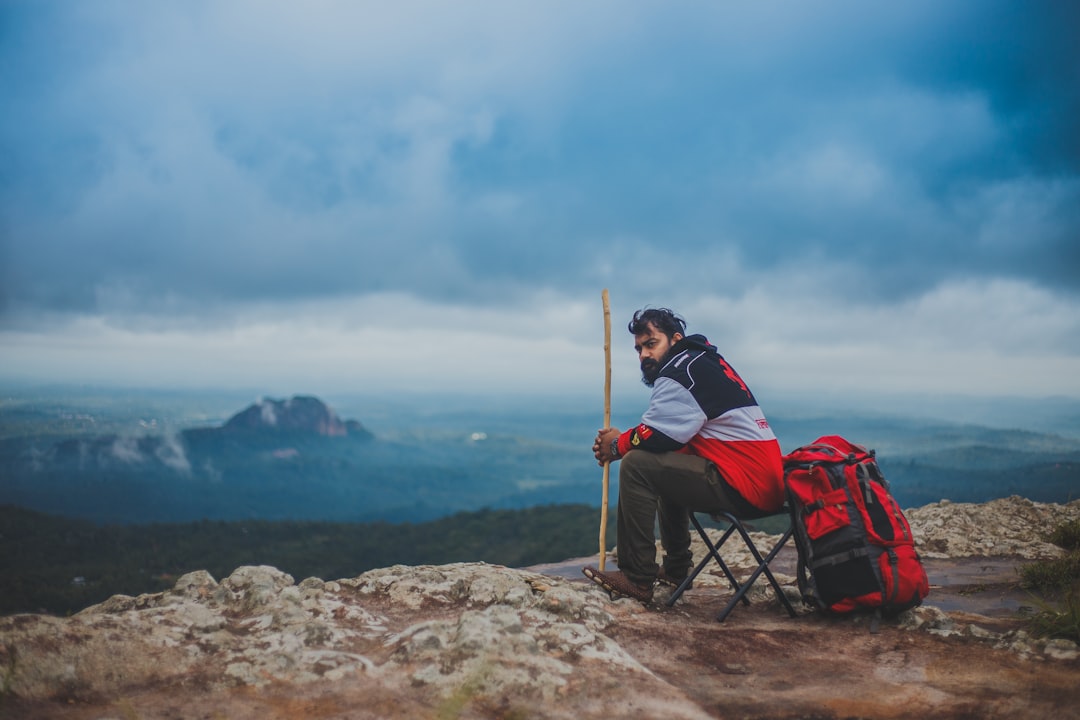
{"x": 138, "y": 458}
{"x": 137, "y": 488}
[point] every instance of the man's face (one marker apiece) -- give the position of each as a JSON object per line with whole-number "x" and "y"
{"x": 652, "y": 348}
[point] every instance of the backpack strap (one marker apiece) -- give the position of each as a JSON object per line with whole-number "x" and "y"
{"x": 802, "y": 570}
{"x": 802, "y": 578}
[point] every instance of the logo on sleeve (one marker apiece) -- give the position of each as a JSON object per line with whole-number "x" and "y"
{"x": 641, "y": 434}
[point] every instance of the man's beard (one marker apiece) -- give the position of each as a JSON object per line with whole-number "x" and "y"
{"x": 650, "y": 371}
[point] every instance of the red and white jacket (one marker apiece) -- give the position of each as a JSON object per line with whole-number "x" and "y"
{"x": 700, "y": 405}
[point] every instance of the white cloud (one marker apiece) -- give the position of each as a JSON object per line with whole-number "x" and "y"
{"x": 267, "y": 412}
{"x": 989, "y": 338}
{"x": 373, "y": 343}
{"x": 833, "y": 173}
{"x": 125, "y": 448}
{"x": 171, "y": 453}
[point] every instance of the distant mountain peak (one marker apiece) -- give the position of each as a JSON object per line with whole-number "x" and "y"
{"x": 298, "y": 414}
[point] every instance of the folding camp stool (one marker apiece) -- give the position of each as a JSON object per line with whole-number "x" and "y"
{"x": 735, "y": 525}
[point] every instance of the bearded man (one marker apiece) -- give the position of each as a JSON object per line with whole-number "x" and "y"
{"x": 703, "y": 444}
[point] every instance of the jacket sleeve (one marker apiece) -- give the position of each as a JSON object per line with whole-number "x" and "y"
{"x": 647, "y": 438}
{"x": 672, "y": 419}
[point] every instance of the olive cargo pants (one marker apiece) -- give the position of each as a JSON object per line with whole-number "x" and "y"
{"x": 667, "y": 484}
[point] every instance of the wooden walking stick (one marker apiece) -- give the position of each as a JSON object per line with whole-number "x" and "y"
{"x": 607, "y": 423}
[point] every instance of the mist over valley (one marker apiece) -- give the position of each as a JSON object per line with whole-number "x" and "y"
{"x": 140, "y": 457}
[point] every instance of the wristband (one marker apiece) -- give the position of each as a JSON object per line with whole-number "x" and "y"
{"x": 615, "y": 449}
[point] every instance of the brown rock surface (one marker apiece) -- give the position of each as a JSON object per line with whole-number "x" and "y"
{"x": 479, "y": 641}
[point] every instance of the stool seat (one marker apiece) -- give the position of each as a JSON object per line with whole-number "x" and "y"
{"x": 736, "y": 529}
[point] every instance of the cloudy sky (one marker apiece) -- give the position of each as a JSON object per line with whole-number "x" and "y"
{"x": 350, "y": 196}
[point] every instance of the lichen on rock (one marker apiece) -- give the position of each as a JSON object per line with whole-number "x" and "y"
{"x": 479, "y": 640}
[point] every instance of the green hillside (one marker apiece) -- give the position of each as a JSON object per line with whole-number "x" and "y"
{"x": 60, "y": 565}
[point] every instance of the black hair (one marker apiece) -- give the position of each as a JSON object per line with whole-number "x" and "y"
{"x": 662, "y": 319}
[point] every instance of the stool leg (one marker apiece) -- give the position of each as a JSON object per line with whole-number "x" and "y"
{"x": 763, "y": 567}
{"x": 714, "y": 552}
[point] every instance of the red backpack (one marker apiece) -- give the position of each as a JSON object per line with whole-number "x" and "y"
{"x": 855, "y": 545}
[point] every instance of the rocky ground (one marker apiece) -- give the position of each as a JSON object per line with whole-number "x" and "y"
{"x": 480, "y": 641}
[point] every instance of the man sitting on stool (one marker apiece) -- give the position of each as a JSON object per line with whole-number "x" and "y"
{"x": 703, "y": 444}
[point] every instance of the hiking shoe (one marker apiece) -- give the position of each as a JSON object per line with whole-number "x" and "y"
{"x": 671, "y": 580}
{"x": 618, "y": 585}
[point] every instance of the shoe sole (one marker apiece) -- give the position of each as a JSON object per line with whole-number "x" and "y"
{"x": 613, "y": 592}
{"x": 672, "y": 582}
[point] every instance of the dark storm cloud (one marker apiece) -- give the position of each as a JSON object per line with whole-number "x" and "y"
{"x": 1023, "y": 58}
{"x": 174, "y": 157}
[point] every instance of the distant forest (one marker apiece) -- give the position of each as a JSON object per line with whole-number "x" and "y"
{"x": 59, "y": 565}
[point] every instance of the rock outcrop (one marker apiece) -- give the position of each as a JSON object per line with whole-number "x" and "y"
{"x": 299, "y": 414}
{"x": 481, "y": 641}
